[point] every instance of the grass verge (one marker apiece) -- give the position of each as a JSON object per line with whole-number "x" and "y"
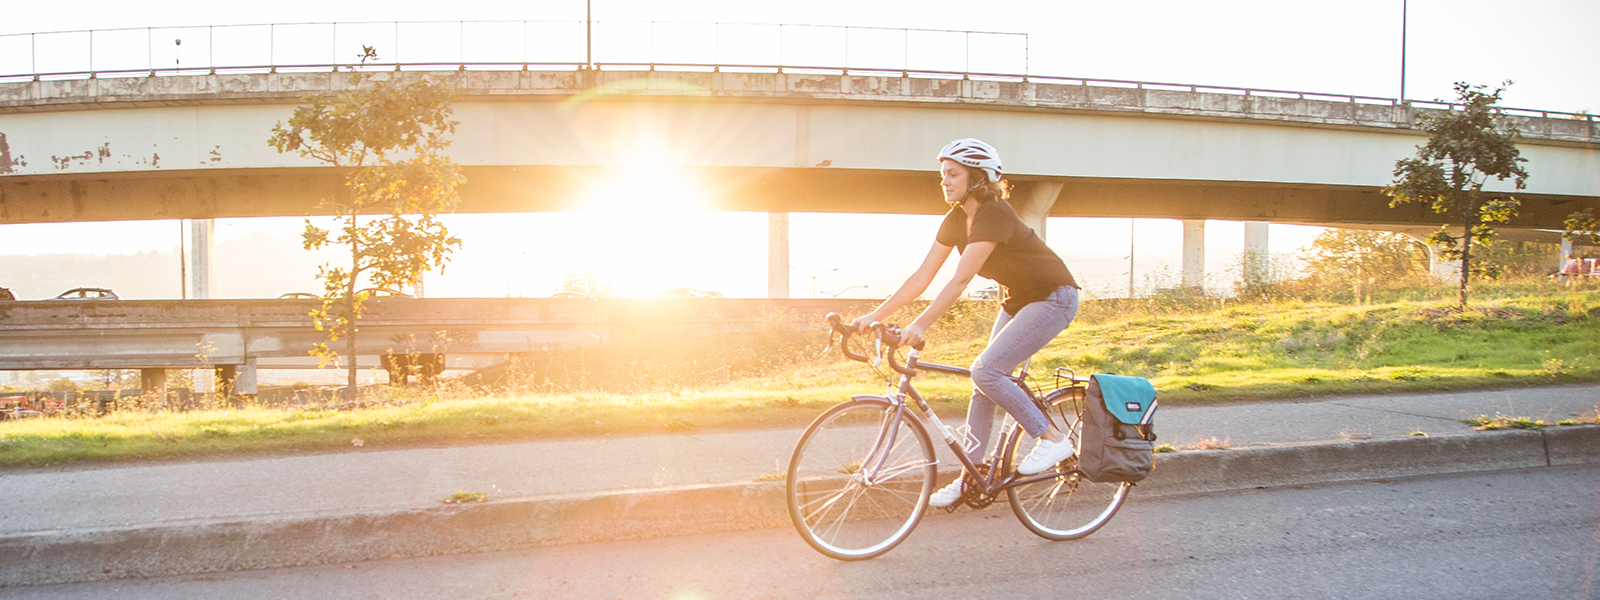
{"x": 1201, "y": 352}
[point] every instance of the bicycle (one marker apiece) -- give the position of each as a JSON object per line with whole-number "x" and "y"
{"x": 861, "y": 474}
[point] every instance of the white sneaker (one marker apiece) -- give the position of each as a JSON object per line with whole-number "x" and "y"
{"x": 1045, "y": 455}
{"x": 947, "y": 495}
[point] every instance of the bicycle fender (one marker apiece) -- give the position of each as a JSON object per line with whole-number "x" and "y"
{"x": 877, "y": 398}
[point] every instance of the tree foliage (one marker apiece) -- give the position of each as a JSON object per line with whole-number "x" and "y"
{"x": 388, "y": 136}
{"x": 1467, "y": 144}
{"x": 588, "y": 283}
{"x": 1262, "y": 275}
{"x": 1355, "y": 256}
{"x": 1583, "y": 227}
{"x": 1513, "y": 260}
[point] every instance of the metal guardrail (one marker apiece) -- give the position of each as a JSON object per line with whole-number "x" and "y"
{"x": 574, "y": 43}
{"x": 614, "y": 42}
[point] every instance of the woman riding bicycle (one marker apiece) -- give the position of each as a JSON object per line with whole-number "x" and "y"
{"x": 1041, "y": 299}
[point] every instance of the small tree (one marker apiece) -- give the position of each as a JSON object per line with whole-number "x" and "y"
{"x": 1355, "y": 258}
{"x": 1466, "y": 146}
{"x": 588, "y": 283}
{"x": 388, "y": 137}
{"x": 1583, "y": 227}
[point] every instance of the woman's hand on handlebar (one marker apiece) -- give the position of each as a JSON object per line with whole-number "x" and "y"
{"x": 863, "y": 323}
{"x": 912, "y": 335}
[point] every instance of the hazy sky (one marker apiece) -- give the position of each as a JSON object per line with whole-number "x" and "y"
{"x": 1350, "y": 47}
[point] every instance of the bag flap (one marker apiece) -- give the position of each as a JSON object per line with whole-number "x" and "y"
{"x": 1132, "y": 400}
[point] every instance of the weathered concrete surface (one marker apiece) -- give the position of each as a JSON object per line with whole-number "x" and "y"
{"x": 1217, "y": 470}
{"x": 1572, "y": 445}
{"x": 194, "y": 146}
{"x": 287, "y": 88}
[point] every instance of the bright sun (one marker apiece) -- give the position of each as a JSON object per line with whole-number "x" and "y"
{"x": 645, "y": 225}
{"x": 645, "y": 190}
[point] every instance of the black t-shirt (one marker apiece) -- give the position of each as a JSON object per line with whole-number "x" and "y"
{"x": 1021, "y": 262}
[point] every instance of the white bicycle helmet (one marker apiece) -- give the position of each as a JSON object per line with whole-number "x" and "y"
{"x": 973, "y": 153}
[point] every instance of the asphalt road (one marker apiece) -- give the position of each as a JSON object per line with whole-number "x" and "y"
{"x": 1531, "y": 533}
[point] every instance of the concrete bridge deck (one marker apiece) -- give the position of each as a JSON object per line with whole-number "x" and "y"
{"x": 194, "y": 146}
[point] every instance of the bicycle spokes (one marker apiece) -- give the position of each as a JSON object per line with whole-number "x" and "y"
{"x": 859, "y": 479}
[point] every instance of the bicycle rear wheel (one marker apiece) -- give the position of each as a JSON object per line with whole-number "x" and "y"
{"x": 1068, "y": 506}
{"x": 859, "y": 479}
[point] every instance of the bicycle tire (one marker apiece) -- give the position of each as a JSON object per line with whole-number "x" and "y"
{"x": 835, "y": 503}
{"x": 1068, "y": 506}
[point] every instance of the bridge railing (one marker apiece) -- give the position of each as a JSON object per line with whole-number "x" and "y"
{"x": 573, "y": 45}
{"x": 501, "y": 44}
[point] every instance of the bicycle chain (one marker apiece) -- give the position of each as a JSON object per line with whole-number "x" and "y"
{"x": 971, "y": 491}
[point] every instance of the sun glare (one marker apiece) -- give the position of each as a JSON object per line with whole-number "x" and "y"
{"x": 645, "y": 191}
{"x": 647, "y": 229}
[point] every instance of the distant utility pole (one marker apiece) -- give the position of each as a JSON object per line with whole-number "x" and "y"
{"x": 183, "y": 265}
{"x": 1130, "y": 257}
{"x": 588, "y": 35}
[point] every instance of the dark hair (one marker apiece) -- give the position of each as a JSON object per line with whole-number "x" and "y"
{"x": 985, "y": 191}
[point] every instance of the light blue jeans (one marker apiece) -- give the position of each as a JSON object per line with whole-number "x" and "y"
{"x": 1014, "y": 339}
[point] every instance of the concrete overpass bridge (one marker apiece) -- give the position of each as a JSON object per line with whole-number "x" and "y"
{"x": 192, "y": 145}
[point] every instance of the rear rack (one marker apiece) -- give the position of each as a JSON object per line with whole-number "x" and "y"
{"x": 1067, "y": 379}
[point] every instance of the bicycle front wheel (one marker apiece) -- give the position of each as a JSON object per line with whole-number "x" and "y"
{"x": 1068, "y": 506}
{"x": 859, "y": 479}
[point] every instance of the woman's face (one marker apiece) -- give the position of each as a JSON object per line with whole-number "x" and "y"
{"x": 954, "y": 179}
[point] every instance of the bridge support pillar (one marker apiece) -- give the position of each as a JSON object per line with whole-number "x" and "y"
{"x": 1445, "y": 270}
{"x": 236, "y": 380}
{"x": 1033, "y": 203}
{"x": 1256, "y": 253}
{"x": 1194, "y": 256}
{"x": 777, "y": 255}
{"x": 205, "y": 380}
{"x": 224, "y": 376}
{"x": 202, "y": 265}
{"x": 244, "y": 380}
{"x": 153, "y": 382}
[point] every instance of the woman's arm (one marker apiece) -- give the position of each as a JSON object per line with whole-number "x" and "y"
{"x": 971, "y": 261}
{"x": 914, "y": 286}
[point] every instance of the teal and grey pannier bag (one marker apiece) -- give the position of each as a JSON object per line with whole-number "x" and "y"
{"x": 1118, "y": 437}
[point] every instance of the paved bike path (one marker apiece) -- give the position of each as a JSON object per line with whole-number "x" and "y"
{"x": 366, "y": 481}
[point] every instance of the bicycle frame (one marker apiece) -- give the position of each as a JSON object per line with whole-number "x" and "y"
{"x": 997, "y": 480}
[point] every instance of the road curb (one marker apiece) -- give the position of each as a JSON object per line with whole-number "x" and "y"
{"x": 48, "y": 557}
{"x": 1572, "y": 445}
{"x": 1218, "y": 470}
